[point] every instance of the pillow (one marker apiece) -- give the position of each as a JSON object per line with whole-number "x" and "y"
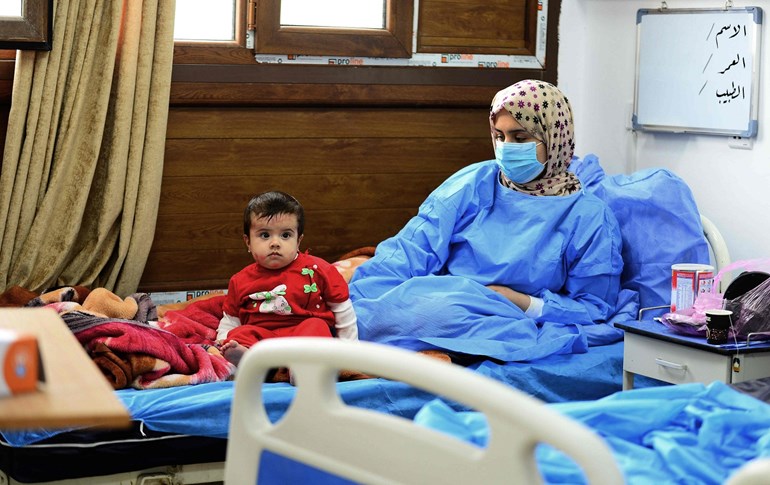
{"x": 659, "y": 223}
{"x": 348, "y": 262}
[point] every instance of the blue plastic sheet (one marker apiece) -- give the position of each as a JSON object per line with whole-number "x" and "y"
{"x": 664, "y": 435}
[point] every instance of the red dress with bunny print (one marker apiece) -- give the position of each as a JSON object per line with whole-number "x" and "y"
{"x": 291, "y": 301}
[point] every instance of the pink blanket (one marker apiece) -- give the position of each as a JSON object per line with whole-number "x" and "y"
{"x": 197, "y": 322}
{"x": 131, "y": 353}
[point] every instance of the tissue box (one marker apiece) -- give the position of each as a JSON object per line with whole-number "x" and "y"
{"x": 20, "y": 361}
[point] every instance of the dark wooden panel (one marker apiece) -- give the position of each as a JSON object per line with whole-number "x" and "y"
{"x": 303, "y": 75}
{"x": 323, "y": 229}
{"x": 6, "y": 88}
{"x": 4, "y": 112}
{"x": 202, "y": 232}
{"x": 242, "y": 94}
{"x": 296, "y": 123}
{"x": 472, "y": 27}
{"x": 7, "y": 65}
{"x": 188, "y": 196}
{"x": 328, "y": 234}
{"x": 190, "y": 270}
{"x": 203, "y": 157}
{"x": 361, "y": 173}
{"x": 196, "y": 54}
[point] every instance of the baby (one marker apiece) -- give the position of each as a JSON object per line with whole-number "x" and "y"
{"x": 285, "y": 293}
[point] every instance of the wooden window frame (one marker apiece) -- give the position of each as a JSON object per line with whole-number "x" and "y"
{"x": 394, "y": 41}
{"x": 446, "y": 45}
{"x": 206, "y": 75}
{"x": 33, "y": 30}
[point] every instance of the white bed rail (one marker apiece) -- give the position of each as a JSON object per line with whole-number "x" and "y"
{"x": 319, "y": 429}
{"x": 718, "y": 249}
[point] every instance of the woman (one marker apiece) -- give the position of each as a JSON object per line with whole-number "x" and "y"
{"x": 508, "y": 258}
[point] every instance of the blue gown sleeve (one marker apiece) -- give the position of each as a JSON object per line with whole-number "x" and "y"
{"x": 421, "y": 248}
{"x": 593, "y": 276}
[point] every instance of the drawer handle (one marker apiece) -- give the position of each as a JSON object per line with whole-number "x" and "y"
{"x": 670, "y": 365}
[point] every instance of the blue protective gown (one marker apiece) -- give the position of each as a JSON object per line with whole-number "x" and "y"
{"x": 425, "y": 288}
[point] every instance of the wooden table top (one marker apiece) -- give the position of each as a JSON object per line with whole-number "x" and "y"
{"x": 75, "y": 392}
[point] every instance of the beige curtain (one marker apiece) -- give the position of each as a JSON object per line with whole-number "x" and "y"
{"x": 82, "y": 166}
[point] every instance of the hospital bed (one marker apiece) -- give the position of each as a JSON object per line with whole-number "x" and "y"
{"x": 180, "y": 433}
{"x": 699, "y": 434}
{"x": 320, "y": 430}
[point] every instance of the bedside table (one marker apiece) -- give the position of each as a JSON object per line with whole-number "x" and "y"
{"x": 653, "y": 350}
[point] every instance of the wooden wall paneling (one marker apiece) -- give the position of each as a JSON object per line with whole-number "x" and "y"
{"x": 263, "y": 94}
{"x": 6, "y": 87}
{"x": 237, "y": 156}
{"x": 360, "y": 173}
{"x": 210, "y": 260}
{"x": 195, "y": 195}
{"x": 223, "y": 231}
{"x": 302, "y": 123}
{"x": 7, "y": 66}
{"x": 360, "y": 146}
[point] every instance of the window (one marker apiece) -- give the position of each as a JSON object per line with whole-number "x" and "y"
{"x": 356, "y": 14}
{"x": 393, "y": 39}
{"x": 10, "y": 9}
{"x": 210, "y": 22}
{"x": 449, "y": 33}
{"x": 376, "y": 28}
{"x": 204, "y": 20}
{"x": 26, "y": 24}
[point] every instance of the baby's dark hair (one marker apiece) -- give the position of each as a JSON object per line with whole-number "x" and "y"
{"x": 271, "y": 204}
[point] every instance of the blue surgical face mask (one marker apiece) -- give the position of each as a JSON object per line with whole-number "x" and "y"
{"x": 518, "y": 161}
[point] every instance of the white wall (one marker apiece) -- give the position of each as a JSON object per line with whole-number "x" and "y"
{"x": 597, "y": 72}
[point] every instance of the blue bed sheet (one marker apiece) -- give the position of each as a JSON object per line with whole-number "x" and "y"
{"x": 204, "y": 410}
{"x": 687, "y": 433}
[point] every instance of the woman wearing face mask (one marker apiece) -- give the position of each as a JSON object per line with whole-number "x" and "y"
{"x": 508, "y": 258}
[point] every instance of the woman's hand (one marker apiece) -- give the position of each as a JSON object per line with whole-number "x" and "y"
{"x": 521, "y": 300}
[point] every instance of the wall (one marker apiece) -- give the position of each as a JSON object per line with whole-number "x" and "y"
{"x": 359, "y": 172}
{"x": 359, "y": 146}
{"x": 597, "y": 71}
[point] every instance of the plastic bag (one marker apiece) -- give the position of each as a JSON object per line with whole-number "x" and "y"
{"x": 692, "y": 321}
{"x": 751, "y": 311}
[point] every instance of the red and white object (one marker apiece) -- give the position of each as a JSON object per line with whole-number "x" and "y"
{"x": 687, "y": 282}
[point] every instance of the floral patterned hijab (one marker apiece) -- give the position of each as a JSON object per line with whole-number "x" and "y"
{"x": 542, "y": 110}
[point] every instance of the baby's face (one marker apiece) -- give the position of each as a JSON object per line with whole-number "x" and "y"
{"x": 273, "y": 243}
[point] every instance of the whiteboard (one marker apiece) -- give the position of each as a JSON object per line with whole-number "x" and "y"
{"x": 697, "y": 70}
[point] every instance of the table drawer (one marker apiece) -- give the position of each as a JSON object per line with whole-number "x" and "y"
{"x": 673, "y": 363}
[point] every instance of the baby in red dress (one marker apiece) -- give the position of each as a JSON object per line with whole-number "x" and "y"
{"x": 285, "y": 293}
